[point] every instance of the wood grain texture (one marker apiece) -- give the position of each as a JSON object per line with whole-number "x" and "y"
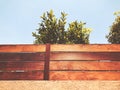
{"x": 47, "y": 62}
{"x": 33, "y": 75}
{"x": 70, "y": 75}
{"x": 86, "y": 47}
{"x": 22, "y": 56}
{"x": 85, "y": 56}
{"x": 76, "y": 65}
{"x": 22, "y": 48}
{"x": 67, "y": 62}
{"x": 22, "y": 65}
{"x": 61, "y": 47}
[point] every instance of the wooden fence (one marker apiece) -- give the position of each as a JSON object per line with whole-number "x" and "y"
{"x": 60, "y": 62}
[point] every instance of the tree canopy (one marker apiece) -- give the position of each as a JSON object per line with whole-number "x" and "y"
{"x": 114, "y": 34}
{"x": 78, "y": 33}
{"x": 52, "y": 30}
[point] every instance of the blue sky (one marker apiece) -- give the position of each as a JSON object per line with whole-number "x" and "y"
{"x": 19, "y": 18}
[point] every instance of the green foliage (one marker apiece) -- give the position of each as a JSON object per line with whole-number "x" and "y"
{"x": 77, "y": 33}
{"x": 114, "y": 34}
{"x": 52, "y": 30}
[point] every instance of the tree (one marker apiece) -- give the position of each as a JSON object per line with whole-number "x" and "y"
{"x": 114, "y": 34}
{"x": 78, "y": 33}
{"x": 52, "y": 30}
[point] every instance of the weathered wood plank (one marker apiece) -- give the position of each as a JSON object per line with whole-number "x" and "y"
{"x": 76, "y": 75}
{"x": 22, "y": 48}
{"x": 22, "y": 56}
{"x": 33, "y": 75}
{"x": 22, "y": 65}
{"x": 86, "y": 47}
{"x": 61, "y": 47}
{"x": 85, "y": 56}
{"x": 76, "y": 65}
{"x": 47, "y": 62}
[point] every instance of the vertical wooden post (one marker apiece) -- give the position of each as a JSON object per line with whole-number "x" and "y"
{"x": 47, "y": 62}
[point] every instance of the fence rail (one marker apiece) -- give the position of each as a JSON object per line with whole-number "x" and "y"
{"x": 60, "y": 62}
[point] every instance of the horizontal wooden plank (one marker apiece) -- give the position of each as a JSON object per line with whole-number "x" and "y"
{"x": 61, "y": 47}
{"x": 22, "y": 56}
{"x": 76, "y": 65}
{"x": 75, "y": 75}
{"x": 22, "y": 48}
{"x": 86, "y": 47}
{"x": 33, "y": 75}
{"x": 22, "y": 65}
{"x": 85, "y": 56}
